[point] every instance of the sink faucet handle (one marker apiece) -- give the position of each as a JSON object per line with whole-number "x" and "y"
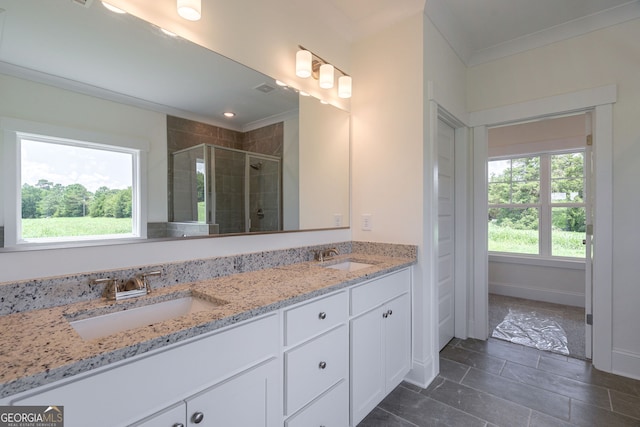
{"x": 145, "y": 282}
{"x": 111, "y": 289}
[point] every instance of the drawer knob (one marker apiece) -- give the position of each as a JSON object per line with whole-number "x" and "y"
{"x": 322, "y": 315}
{"x": 197, "y": 417}
{"x": 178, "y": 425}
{"x": 390, "y": 312}
{"x": 322, "y": 365}
{"x": 385, "y": 314}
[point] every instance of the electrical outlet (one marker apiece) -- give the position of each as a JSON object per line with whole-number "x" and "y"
{"x": 367, "y": 222}
{"x": 337, "y": 220}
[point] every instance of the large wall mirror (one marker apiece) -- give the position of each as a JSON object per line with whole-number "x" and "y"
{"x": 281, "y": 163}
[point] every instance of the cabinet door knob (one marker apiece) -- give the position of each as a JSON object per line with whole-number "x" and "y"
{"x": 385, "y": 314}
{"x": 390, "y": 312}
{"x": 197, "y": 417}
{"x": 178, "y": 425}
{"x": 322, "y": 315}
{"x": 322, "y": 365}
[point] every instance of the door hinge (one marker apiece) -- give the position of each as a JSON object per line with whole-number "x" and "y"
{"x": 589, "y": 139}
{"x": 589, "y": 230}
{"x": 589, "y": 319}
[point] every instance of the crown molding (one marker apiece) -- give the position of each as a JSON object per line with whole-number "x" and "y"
{"x": 574, "y": 28}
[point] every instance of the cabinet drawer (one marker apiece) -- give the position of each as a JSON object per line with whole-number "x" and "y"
{"x": 314, "y": 367}
{"x": 331, "y": 410}
{"x": 379, "y": 291}
{"x": 310, "y": 319}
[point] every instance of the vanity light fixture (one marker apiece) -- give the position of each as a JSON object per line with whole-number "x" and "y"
{"x": 190, "y": 9}
{"x": 112, "y": 8}
{"x": 309, "y": 64}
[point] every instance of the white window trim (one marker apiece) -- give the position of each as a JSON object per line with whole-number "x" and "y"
{"x": 16, "y": 129}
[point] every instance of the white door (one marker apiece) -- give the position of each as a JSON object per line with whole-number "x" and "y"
{"x": 445, "y": 232}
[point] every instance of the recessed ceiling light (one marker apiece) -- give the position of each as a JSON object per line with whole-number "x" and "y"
{"x": 229, "y": 114}
{"x": 279, "y": 83}
{"x": 324, "y": 101}
{"x": 112, "y": 8}
{"x": 303, "y": 93}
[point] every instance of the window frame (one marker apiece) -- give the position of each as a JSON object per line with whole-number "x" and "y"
{"x": 545, "y": 204}
{"x": 16, "y": 130}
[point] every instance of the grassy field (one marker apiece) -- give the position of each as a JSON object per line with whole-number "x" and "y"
{"x": 83, "y": 226}
{"x": 565, "y": 243}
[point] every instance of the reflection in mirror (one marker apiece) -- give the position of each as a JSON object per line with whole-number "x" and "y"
{"x": 122, "y": 78}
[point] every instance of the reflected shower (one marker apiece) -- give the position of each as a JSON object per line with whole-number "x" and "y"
{"x": 257, "y": 166}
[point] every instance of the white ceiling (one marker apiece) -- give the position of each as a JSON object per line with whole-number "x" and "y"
{"x": 481, "y": 30}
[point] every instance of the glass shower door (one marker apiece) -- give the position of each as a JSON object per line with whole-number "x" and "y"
{"x": 263, "y": 199}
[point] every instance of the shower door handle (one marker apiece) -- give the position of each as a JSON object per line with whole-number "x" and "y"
{"x": 260, "y": 213}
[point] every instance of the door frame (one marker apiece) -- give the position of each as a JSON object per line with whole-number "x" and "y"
{"x": 600, "y": 101}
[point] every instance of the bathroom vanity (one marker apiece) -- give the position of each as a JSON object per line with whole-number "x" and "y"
{"x": 296, "y": 345}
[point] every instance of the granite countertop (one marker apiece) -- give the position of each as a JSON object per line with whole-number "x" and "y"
{"x": 40, "y": 346}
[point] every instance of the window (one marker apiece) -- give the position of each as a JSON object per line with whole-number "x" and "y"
{"x": 537, "y": 204}
{"x": 68, "y": 185}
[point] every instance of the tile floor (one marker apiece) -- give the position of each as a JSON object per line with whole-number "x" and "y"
{"x": 496, "y": 383}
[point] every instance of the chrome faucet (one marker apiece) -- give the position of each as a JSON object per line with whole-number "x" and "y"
{"x": 322, "y": 255}
{"x": 138, "y": 285}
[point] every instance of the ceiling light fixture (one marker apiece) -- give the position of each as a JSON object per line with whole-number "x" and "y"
{"x": 309, "y": 64}
{"x": 190, "y": 9}
{"x": 229, "y": 114}
{"x": 112, "y": 8}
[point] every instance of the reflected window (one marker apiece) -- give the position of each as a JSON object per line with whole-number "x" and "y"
{"x": 75, "y": 190}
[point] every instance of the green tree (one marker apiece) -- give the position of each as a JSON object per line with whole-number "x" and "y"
{"x": 31, "y": 197}
{"x": 74, "y": 201}
{"x": 51, "y": 202}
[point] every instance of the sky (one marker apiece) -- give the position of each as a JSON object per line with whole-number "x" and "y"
{"x": 67, "y": 164}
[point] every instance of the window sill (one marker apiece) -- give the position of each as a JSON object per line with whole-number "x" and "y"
{"x": 574, "y": 264}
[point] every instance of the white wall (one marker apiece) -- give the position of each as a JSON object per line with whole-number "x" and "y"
{"x": 26, "y": 100}
{"x": 602, "y": 57}
{"x": 390, "y": 113}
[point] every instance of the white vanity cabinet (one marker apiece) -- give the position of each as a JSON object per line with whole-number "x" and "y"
{"x": 316, "y": 362}
{"x": 380, "y": 340}
{"x": 232, "y": 377}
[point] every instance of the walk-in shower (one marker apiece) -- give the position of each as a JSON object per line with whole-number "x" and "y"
{"x": 240, "y": 191}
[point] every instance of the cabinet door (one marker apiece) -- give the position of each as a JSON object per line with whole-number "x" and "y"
{"x": 397, "y": 332}
{"x": 367, "y": 363}
{"x": 174, "y": 416}
{"x": 248, "y": 399}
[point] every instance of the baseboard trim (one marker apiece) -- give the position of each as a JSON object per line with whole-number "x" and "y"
{"x": 421, "y": 373}
{"x": 537, "y": 294}
{"x": 626, "y": 363}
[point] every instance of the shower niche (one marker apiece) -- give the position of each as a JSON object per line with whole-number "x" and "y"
{"x": 220, "y": 190}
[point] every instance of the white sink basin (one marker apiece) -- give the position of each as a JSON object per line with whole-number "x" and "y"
{"x": 350, "y": 266}
{"x": 111, "y": 323}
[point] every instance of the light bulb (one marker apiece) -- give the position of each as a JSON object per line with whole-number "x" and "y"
{"x": 190, "y": 9}
{"x": 326, "y": 76}
{"x": 344, "y": 87}
{"x": 303, "y": 64}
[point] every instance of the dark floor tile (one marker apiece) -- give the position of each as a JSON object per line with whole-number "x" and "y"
{"x": 481, "y": 361}
{"x": 452, "y": 371}
{"x": 478, "y": 403}
{"x": 583, "y": 371}
{"x": 380, "y": 418}
{"x": 589, "y": 416}
{"x": 424, "y": 411}
{"x": 625, "y": 404}
{"x": 502, "y": 350}
{"x": 542, "y": 420}
{"x": 411, "y": 387}
{"x": 532, "y": 397}
{"x": 588, "y": 393}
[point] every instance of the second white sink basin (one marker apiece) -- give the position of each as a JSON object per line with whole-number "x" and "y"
{"x": 111, "y": 323}
{"x": 350, "y": 266}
